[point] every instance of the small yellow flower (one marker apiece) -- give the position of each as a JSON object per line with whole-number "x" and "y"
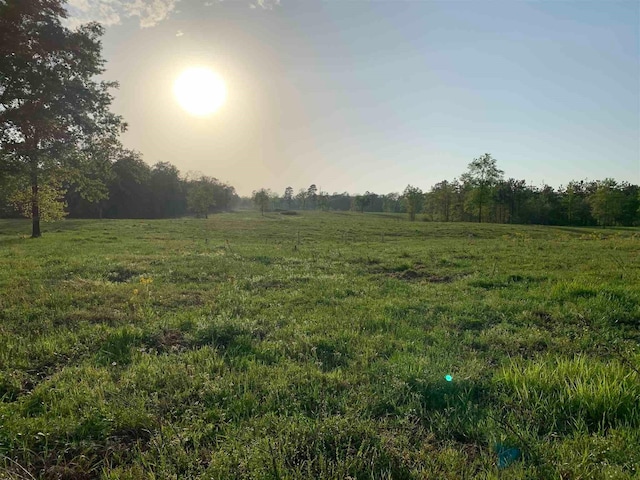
{"x": 135, "y": 291}
{"x": 146, "y": 280}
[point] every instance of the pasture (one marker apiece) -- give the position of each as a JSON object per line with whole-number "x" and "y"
{"x": 316, "y": 345}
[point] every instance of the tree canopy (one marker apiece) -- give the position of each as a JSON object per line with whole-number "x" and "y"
{"x": 482, "y": 194}
{"x": 482, "y": 175}
{"x": 261, "y": 199}
{"x": 51, "y": 105}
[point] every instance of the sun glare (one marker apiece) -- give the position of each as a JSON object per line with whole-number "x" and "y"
{"x": 200, "y": 91}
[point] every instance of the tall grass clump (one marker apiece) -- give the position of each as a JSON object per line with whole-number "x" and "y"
{"x": 569, "y": 394}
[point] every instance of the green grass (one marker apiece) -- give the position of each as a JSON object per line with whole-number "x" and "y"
{"x": 316, "y": 346}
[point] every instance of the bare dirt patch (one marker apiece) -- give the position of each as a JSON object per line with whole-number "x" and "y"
{"x": 168, "y": 341}
{"x": 418, "y": 272}
{"x": 417, "y": 275}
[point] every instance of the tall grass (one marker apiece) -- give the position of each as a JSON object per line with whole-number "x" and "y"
{"x": 316, "y": 346}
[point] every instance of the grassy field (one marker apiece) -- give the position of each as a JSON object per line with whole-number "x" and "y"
{"x": 316, "y": 346}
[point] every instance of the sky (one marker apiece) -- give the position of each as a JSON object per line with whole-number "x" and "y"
{"x": 356, "y": 95}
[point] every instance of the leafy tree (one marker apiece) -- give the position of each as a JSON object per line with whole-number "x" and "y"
{"x": 323, "y": 200}
{"x": 340, "y": 201}
{"x": 574, "y": 204}
{"x": 89, "y": 171}
{"x": 482, "y": 175}
{"x": 50, "y": 104}
{"x": 129, "y": 195}
{"x": 544, "y": 207}
{"x": 275, "y": 202}
{"x": 7, "y": 189}
{"x": 312, "y": 195}
{"x": 502, "y": 199}
{"x": 51, "y": 201}
{"x": 517, "y": 198}
{"x": 391, "y": 203}
{"x": 375, "y": 202}
{"x": 630, "y": 204}
{"x": 413, "y": 198}
{"x": 261, "y": 199}
{"x": 569, "y": 200}
{"x": 302, "y": 198}
{"x": 225, "y": 195}
{"x": 361, "y": 201}
{"x": 166, "y": 191}
{"x": 441, "y": 197}
{"x": 288, "y": 196}
{"x": 607, "y": 202}
{"x": 200, "y": 196}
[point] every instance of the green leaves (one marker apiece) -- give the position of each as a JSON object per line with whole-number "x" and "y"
{"x": 413, "y": 198}
{"x": 607, "y": 202}
{"x": 482, "y": 175}
{"x": 261, "y": 199}
{"x": 50, "y": 198}
{"x": 49, "y": 102}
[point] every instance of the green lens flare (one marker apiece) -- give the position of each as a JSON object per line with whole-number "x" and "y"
{"x": 448, "y": 378}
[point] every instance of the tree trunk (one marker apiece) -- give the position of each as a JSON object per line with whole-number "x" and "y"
{"x": 512, "y": 208}
{"x": 35, "y": 207}
{"x": 446, "y": 209}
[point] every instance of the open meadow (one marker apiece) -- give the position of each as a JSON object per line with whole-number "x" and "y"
{"x": 316, "y": 345}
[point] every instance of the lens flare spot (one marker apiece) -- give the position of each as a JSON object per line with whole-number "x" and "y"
{"x": 448, "y": 378}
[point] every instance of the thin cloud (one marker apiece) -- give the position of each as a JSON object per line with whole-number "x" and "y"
{"x": 179, "y": 33}
{"x": 265, "y": 4}
{"x": 112, "y": 12}
{"x": 148, "y": 12}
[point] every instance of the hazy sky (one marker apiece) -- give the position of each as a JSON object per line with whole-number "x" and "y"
{"x": 373, "y": 95}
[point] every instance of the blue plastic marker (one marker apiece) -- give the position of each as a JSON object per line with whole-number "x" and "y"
{"x": 448, "y": 378}
{"x": 507, "y": 455}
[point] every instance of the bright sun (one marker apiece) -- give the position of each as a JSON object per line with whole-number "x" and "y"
{"x": 200, "y": 91}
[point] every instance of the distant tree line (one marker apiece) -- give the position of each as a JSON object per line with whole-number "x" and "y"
{"x": 122, "y": 185}
{"x": 481, "y": 194}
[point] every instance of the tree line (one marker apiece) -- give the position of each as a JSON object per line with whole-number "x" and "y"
{"x": 481, "y": 194}
{"x": 136, "y": 190}
{"x": 120, "y": 187}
